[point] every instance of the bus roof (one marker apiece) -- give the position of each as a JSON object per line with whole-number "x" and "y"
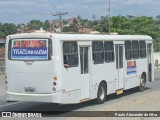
{"x": 80, "y": 37}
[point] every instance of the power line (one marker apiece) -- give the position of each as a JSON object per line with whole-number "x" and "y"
{"x": 60, "y": 14}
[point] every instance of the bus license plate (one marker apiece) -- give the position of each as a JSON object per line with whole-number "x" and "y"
{"x": 29, "y": 90}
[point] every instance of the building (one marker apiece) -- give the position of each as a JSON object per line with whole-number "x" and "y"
{"x": 55, "y": 25}
{"x": 84, "y": 30}
{"x": 22, "y": 28}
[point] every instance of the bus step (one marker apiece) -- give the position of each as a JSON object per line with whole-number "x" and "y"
{"x": 118, "y": 92}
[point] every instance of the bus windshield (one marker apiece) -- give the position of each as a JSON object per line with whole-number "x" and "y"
{"x": 29, "y": 49}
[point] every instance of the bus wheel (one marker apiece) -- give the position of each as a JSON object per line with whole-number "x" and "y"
{"x": 142, "y": 83}
{"x": 101, "y": 95}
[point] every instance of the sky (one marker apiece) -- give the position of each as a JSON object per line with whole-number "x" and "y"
{"x": 22, "y": 11}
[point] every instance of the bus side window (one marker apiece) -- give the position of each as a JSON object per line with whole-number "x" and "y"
{"x": 98, "y": 52}
{"x": 9, "y": 49}
{"x": 70, "y": 54}
{"x": 128, "y": 50}
{"x": 49, "y": 49}
{"x": 142, "y": 45}
{"x": 109, "y": 51}
{"x": 135, "y": 49}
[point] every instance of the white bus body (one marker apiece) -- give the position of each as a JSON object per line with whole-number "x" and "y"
{"x": 72, "y": 67}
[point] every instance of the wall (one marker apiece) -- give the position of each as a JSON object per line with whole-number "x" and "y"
{"x": 156, "y": 59}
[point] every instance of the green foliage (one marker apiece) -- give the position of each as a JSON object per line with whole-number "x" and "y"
{"x": 64, "y": 22}
{"x": 7, "y": 29}
{"x": 35, "y": 25}
{"x": 2, "y": 34}
{"x": 73, "y": 27}
{"x": 46, "y": 25}
{"x": 103, "y": 25}
{"x": 120, "y": 24}
{"x": 138, "y": 25}
{"x": 66, "y": 29}
{"x": 117, "y": 21}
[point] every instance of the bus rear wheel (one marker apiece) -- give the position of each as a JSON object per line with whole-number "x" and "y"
{"x": 101, "y": 95}
{"x": 142, "y": 83}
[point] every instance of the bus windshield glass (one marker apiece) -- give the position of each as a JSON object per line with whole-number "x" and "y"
{"x": 29, "y": 49}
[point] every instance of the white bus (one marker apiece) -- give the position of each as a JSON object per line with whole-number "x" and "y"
{"x": 73, "y": 68}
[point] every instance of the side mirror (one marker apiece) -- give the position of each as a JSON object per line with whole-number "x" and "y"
{"x": 66, "y": 65}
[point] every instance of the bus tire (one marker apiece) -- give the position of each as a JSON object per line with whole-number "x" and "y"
{"x": 142, "y": 83}
{"x": 101, "y": 94}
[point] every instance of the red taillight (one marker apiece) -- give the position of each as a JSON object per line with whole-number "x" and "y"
{"x": 55, "y": 78}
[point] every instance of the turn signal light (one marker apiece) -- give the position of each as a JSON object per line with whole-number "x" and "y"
{"x": 54, "y": 83}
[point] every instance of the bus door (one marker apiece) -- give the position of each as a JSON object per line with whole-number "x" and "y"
{"x": 119, "y": 66}
{"x": 149, "y": 57}
{"x": 84, "y": 69}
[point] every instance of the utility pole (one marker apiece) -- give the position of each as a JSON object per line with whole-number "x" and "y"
{"x": 60, "y": 18}
{"x": 109, "y": 16}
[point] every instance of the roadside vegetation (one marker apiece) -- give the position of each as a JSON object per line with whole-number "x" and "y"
{"x": 141, "y": 25}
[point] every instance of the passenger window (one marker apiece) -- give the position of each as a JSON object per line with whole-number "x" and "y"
{"x": 109, "y": 51}
{"x": 128, "y": 50}
{"x": 49, "y": 49}
{"x": 135, "y": 49}
{"x": 98, "y": 53}
{"x": 142, "y": 45}
{"x": 84, "y": 60}
{"x": 70, "y": 54}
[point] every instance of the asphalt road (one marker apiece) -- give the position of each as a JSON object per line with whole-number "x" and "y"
{"x": 131, "y": 100}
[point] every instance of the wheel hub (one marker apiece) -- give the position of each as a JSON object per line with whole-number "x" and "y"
{"x": 102, "y": 93}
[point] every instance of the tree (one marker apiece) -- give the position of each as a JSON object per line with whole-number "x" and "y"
{"x": 138, "y": 25}
{"x": 46, "y": 25}
{"x": 74, "y": 26}
{"x": 2, "y": 34}
{"x": 102, "y": 24}
{"x": 35, "y": 25}
{"x": 118, "y": 21}
{"x": 65, "y": 22}
{"x": 66, "y": 29}
{"x": 121, "y": 24}
{"x": 8, "y": 29}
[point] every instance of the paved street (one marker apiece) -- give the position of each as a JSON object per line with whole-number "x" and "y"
{"x": 131, "y": 100}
